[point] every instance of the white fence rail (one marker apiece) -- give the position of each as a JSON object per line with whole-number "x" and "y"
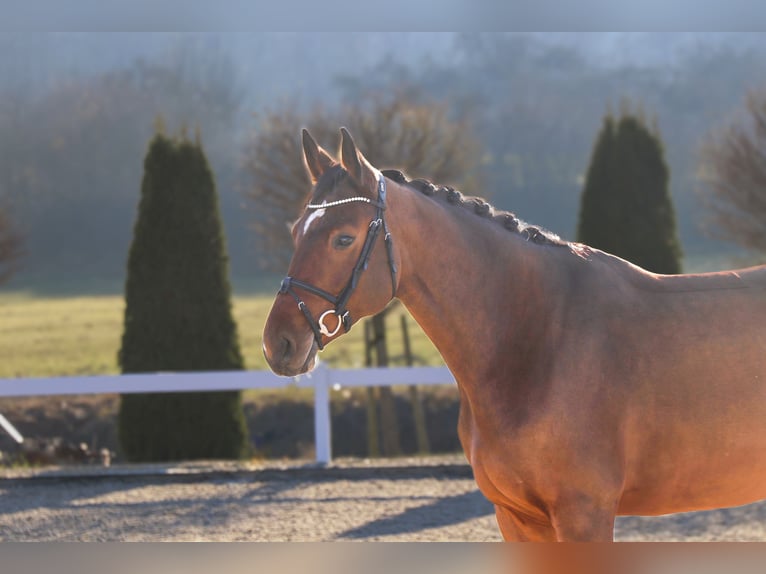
{"x": 322, "y": 379}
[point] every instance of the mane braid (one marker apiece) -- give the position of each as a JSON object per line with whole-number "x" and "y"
{"x": 481, "y": 208}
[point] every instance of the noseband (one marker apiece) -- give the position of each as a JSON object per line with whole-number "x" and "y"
{"x": 339, "y": 302}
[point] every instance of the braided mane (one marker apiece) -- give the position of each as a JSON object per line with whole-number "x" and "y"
{"x": 480, "y": 207}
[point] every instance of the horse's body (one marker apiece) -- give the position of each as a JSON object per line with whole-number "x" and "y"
{"x": 589, "y": 387}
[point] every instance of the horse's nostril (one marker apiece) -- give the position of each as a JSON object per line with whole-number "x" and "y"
{"x": 287, "y": 348}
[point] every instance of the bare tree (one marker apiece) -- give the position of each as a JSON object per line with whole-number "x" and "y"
{"x": 733, "y": 169}
{"x": 10, "y": 247}
{"x": 421, "y": 140}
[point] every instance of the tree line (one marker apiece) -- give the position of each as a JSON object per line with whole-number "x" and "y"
{"x": 70, "y": 154}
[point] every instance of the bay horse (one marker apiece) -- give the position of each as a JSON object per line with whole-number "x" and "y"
{"x": 589, "y": 387}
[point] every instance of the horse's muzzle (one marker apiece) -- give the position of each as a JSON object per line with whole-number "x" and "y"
{"x": 286, "y": 357}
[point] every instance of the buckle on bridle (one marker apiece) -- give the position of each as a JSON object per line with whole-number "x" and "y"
{"x": 323, "y": 328}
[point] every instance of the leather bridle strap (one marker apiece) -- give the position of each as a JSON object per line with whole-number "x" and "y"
{"x": 340, "y": 301}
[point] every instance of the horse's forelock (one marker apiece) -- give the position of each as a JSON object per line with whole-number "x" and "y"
{"x": 327, "y": 183}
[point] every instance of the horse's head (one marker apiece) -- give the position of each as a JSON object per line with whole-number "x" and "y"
{"x": 343, "y": 267}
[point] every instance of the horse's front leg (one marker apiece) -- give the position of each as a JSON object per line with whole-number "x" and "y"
{"x": 574, "y": 517}
{"x": 581, "y": 518}
{"x": 516, "y": 527}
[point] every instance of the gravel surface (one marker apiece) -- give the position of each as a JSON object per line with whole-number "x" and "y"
{"x": 404, "y": 499}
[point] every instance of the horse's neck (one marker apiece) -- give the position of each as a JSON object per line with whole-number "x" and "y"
{"x": 470, "y": 285}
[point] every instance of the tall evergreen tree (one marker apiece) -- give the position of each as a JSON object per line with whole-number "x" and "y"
{"x": 626, "y": 208}
{"x": 178, "y": 312}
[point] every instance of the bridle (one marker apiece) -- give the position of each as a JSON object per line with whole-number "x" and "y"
{"x": 340, "y": 301}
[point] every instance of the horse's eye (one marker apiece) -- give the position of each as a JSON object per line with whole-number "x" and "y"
{"x": 343, "y": 241}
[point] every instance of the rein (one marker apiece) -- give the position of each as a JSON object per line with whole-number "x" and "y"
{"x": 340, "y": 301}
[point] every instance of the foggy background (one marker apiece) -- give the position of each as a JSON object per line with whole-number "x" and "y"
{"x": 77, "y": 111}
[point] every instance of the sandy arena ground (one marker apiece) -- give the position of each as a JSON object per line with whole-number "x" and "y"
{"x": 404, "y": 499}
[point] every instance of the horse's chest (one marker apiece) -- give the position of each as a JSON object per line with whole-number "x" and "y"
{"x": 501, "y": 468}
{"x": 503, "y": 483}
{"x": 503, "y": 444}
{"x": 495, "y": 486}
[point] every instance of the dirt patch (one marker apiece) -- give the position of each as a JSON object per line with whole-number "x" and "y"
{"x": 427, "y": 499}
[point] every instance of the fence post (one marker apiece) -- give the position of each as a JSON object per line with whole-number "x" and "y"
{"x": 11, "y": 430}
{"x": 322, "y": 429}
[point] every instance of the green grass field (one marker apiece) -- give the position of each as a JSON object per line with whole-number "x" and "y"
{"x": 61, "y": 336}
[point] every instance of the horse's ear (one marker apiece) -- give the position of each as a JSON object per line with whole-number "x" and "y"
{"x": 316, "y": 159}
{"x": 353, "y": 161}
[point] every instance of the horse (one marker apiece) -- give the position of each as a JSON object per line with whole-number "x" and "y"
{"x": 589, "y": 387}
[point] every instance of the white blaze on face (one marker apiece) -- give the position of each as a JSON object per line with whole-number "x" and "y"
{"x": 316, "y": 214}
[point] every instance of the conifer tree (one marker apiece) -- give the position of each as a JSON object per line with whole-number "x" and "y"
{"x": 626, "y": 208}
{"x": 178, "y": 313}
